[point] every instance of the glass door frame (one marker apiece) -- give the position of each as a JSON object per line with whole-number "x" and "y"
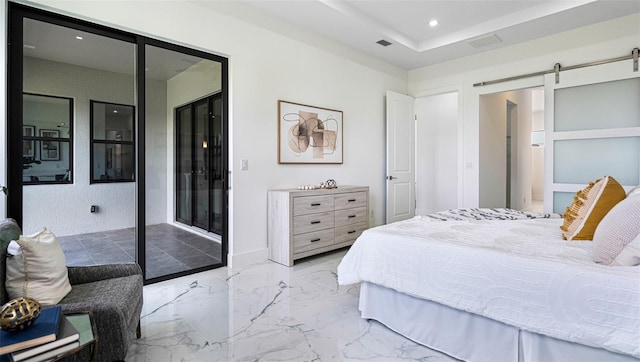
{"x": 16, "y": 14}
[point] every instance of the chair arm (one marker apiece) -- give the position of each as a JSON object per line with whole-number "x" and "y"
{"x": 113, "y": 333}
{"x": 88, "y": 274}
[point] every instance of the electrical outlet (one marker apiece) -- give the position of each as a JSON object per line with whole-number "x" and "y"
{"x": 245, "y": 165}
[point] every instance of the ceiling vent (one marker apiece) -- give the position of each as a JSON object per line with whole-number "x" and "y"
{"x": 484, "y": 41}
{"x": 383, "y": 42}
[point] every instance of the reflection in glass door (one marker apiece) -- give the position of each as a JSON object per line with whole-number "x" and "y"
{"x": 199, "y": 164}
{"x": 94, "y": 224}
{"x": 180, "y": 86}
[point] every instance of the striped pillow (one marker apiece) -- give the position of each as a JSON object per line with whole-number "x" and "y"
{"x": 617, "y": 238}
{"x": 589, "y": 206}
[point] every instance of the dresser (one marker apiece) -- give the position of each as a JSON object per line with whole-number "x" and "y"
{"x": 308, "y": 222}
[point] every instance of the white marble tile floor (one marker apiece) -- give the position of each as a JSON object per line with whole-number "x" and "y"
{"x": 266, "y": 312}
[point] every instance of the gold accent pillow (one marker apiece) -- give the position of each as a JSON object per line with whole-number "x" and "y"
{"x": 589, "y": 206}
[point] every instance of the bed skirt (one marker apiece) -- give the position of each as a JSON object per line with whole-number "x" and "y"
{"x": 468, "y": 336}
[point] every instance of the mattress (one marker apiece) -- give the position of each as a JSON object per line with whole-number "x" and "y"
{"x": 518, "y": 272}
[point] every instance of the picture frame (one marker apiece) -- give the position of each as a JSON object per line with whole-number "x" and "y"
{"x": 309, "y": 134}
{"x": 28, "y": 146}
{"x": 49, "y": 149}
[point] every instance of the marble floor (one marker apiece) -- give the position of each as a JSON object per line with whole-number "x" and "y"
{"x": 266, "y": 312}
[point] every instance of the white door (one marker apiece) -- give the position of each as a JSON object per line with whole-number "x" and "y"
{"x": 592, "y": 129}
{"x": 400, "y": 157}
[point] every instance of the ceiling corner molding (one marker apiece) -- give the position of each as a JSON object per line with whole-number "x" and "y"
{"x": 497, "y": 24}
{"x": 349, "y": 11}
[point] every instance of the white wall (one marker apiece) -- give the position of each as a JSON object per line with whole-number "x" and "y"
{"x": 265, "y": 67}
{"x": 65, "y": 208}
{"x": 436, "y": 127}
{"x": 596, "y": 42}
{"x": 159, "y": 159}
{"x": 492, "y": 150}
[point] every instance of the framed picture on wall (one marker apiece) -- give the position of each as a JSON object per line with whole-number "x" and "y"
{"x": 309, "y": 134}
{"x": 49, "y": 149}
{"x": 28, "y": 145}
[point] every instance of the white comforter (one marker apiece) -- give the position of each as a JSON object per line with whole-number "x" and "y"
{"x": 519, "y": 272}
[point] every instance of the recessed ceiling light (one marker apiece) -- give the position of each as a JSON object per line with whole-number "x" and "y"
{"x": 115, "y": 111}
{"x": 433, "y": 23}
{"x": 78, "y": 37}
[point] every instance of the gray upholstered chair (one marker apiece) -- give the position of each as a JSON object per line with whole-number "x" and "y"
{"x": 113, "y": 293}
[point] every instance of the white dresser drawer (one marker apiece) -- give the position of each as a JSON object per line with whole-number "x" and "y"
{"x": 351, "y": 216}
{"x": 303, "y": 223}
{"x": 349, "y": 233}
{"x": 309, "y": 241}
{"x": 303, "y": 205}
{"x": 312, "y": 222}
{"x": 351, "y": 200}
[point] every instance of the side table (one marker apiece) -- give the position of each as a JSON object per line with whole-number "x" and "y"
{"x": 86, "y": 351}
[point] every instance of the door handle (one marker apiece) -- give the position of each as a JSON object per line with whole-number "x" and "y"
{"x": 391, "y": 178}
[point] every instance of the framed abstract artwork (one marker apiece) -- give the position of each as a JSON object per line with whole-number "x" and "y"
{"x": 309, "y": 134}
{"x": 49, "y": 149}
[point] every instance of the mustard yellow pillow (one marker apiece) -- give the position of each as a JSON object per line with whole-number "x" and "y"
{"x": 589, "y": 206}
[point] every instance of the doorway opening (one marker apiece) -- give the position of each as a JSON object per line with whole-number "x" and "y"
{"x": 511, "y": 163}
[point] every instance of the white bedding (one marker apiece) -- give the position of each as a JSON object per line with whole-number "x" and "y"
{"x": 519, "y": 272}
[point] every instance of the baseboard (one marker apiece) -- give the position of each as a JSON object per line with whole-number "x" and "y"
{"x": 245, "y": 259}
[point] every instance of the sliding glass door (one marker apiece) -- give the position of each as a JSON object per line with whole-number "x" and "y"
{"x": 185, "y": 217}
{"x": 199, "y": 164}
{"x": 66, "y": 71}
{"x": 92, "y": 144}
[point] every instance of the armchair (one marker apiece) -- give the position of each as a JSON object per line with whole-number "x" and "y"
{"x": 113, "y": 293}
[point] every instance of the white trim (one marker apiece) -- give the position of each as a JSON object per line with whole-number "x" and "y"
{"x": 597, "y": 133}
{"x": 248, "y": 258}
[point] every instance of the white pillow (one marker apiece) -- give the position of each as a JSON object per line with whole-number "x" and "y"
{"x": 630, "y": 255}
{"x": 634, "y": 191}
{"x": 37, "y": 268}
{"x": 616, "y": 233}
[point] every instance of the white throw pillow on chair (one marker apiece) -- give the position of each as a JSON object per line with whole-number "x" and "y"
{"x": 37, "y": 268}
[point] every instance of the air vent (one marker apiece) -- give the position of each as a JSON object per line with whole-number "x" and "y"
{"x": 383, "y": 42}
{"x": 484, "y": 41}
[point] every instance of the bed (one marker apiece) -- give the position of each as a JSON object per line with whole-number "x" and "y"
{"x": 495, "y": 285}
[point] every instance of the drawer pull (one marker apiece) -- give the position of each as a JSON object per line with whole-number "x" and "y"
{"x": 316, "y": 204}
{"x": 352, "y": 216}
{"x": 315, "y": 222}
{"x": 314, "y": 240}
{"x": 351, "y": 232}
{"x": 352, "y": 200}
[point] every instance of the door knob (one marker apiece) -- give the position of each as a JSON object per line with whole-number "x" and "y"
{"x": 391, "y": 178}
